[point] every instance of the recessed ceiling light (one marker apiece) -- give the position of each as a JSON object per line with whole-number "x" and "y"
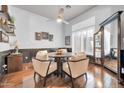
{"x": 68, "y": 6}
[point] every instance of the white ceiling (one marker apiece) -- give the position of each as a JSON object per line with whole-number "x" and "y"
{"x": 51, "y": 11}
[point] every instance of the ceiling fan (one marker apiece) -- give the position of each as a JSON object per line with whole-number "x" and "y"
{"x": 60, "y": 16}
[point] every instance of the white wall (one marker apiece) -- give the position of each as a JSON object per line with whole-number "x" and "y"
{"x": 100, "y": 13}
{"x": 28, "y": 23}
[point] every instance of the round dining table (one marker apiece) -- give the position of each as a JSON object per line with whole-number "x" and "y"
{"x": 58, "y": 58}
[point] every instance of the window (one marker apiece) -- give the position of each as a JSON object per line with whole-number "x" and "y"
{"x": 82, "y": 36}
{"x": 82, "y": 40}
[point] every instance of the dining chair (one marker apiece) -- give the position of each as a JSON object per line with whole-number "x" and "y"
{"x": 43, "y": 66}
{"x": 76, "y": 67}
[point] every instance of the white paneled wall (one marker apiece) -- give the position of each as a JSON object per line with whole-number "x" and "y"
{"x": 84, "y": 24}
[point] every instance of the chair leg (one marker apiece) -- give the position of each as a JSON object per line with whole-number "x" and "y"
{"x": 57, "y": 73}
{"x": 44, "y": 84}
{"x": 61, "y": 74}
{"x": 61, "y": 70}
{"x": 35, "y": 74}
{"x": 34, "y": 77}
{"x": 86, "y": 76}
{"x": 72, "y": 82}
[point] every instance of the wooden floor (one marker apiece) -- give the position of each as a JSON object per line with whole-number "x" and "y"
{"x": 112, "y": 65}
{"x": 98, "y": 77}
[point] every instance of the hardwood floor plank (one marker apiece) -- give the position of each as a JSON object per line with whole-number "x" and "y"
{"x": 98, "y": 77}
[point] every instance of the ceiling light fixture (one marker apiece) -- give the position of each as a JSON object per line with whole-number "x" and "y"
{"x": 59, "y": 20}
{"x": 60, "y": 17}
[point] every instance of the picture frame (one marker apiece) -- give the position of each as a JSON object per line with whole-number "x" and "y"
{"x": 45, "y": 35}
{"x": 11, "y": 29}
{"x": 4, "y": 37}
{"x": 37, "y": 35}
{"x": 50, "y": 37}
{"x": 67, "y": 40}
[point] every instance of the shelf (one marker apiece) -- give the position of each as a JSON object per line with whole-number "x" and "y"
{"x": 5, "y": 15}
{"x": 4, "y": 37}
{"x": 7, "y": 28}
{"x": 5, "y": 23}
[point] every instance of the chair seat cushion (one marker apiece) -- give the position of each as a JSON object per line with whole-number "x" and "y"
{"x": 75, "y": 70}
{"x": 78, "y": 65}
{"x": 53, "y": 67}
{"x": 41, "y": 67}
{"x": 77, "y": 57}
{"x": 42, "y": 55}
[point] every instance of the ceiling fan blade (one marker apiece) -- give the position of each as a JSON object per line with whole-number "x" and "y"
{"x": 65, "y": 22}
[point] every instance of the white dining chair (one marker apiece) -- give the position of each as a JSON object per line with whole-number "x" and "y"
{"x": 76, "y": 66}
{"x": 43, "y": 66}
